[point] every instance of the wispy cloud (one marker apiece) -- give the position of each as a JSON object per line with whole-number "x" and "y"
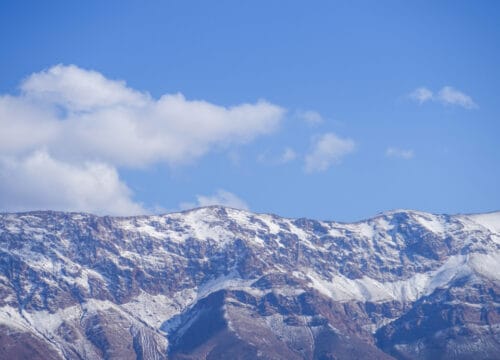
{"x": 221, "y": 197}
{"x": 310, "y": 116}
{"x": 394, "y": 152}
{"x": 328, "y": 149}
{"x": 421, "y": 95}
{"x": 446, "y": 96}
{"x": 286, "y": 156}
{"x": 450, "y": 96}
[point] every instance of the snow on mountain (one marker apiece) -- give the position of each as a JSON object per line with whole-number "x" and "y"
{"x": 490, "y": 221}
{"x": 115, "y": 287}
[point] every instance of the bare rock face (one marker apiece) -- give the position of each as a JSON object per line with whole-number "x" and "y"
{"x": 220, "y": 283}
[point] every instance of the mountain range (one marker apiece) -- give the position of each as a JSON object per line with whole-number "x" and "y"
{"x": 221, "y": 283}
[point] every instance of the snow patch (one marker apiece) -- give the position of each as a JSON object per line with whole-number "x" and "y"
{"x": 11, "y": 317}
{"x": 153, "y": 309}
{"x": 341, "y": 288}
{"x": 490, "y": 221}
{"x": 231, "y": 281}
{"x": 487, "y": 265}
{"x": 431, "y": 222}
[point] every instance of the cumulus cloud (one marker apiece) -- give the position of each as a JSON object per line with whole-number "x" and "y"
{"x": 310, "y": 116}
{"x": 446, "y": 96}
{"x": 81, "y": 114}
{"x": 77, "y": 89}
{"x": 221, "y": 197}
{"x": 39, "y": 182}
{"x": 328, "y": 149}
{"x": 91, "y": 126}
{"x": 399, "y": 153}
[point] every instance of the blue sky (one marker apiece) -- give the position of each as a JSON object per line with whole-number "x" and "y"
{"x": 330, "y": 109}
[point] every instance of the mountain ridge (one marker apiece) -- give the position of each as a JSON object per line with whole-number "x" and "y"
{"x": 72, "y": 281}
{"x": 378, "y": 214}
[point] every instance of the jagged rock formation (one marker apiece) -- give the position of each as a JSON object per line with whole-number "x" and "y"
{"x": 220, "y": 283}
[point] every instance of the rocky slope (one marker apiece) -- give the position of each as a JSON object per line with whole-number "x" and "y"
{"x": 219, "y": 283}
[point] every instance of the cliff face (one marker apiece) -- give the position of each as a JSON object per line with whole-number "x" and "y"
{"x": 221, "y": 283}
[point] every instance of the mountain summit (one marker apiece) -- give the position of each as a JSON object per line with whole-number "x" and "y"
{"x": 220, "y": 283}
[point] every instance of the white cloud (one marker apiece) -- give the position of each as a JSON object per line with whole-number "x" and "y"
{"x": 421, "y": 95}
{"x": 221, "y": 197}
{"x": 399, "y": 153}
{"x": 81, "y": 115}
{"x": 450, "y": 96}
{"x": 328, "y": 149}
{"x": 91, "y": 126}
{"x": 39, "y": 182}
{"x": 446, "y": 96}
{"x": 311, "y": 117}
{"x": 80, "y": 90}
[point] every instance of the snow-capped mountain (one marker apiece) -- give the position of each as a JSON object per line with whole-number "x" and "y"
{"x": 220, "y": 283}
